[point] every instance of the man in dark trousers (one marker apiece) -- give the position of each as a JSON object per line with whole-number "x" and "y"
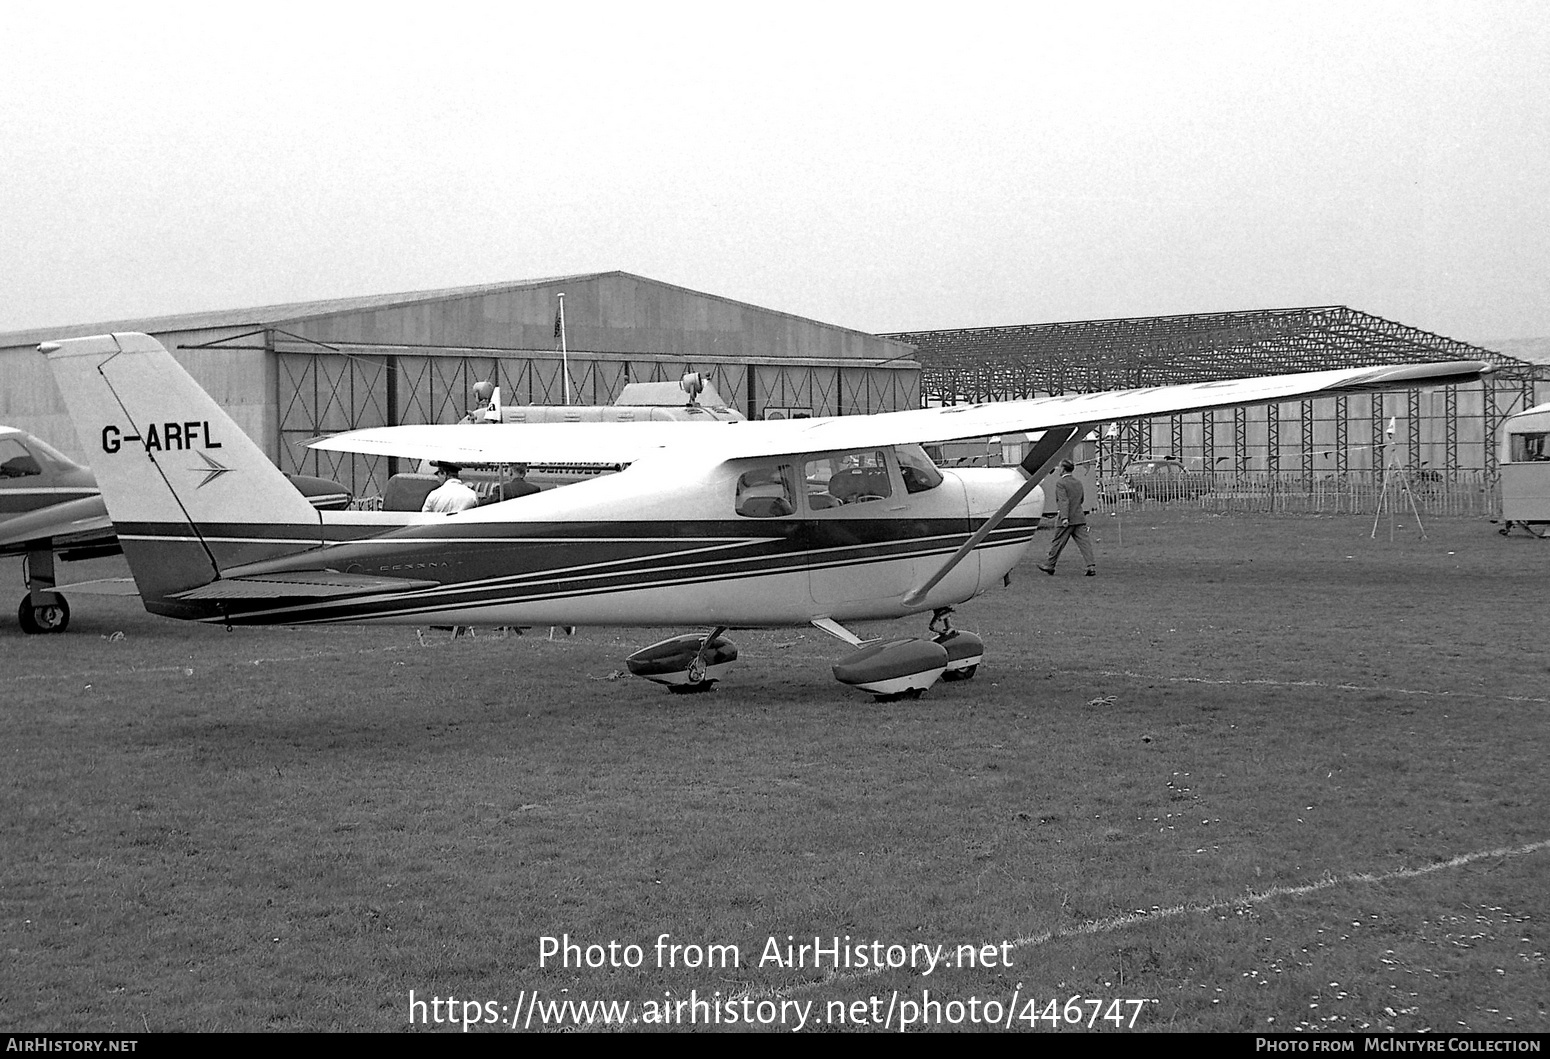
{"x": 1073, "y": 520}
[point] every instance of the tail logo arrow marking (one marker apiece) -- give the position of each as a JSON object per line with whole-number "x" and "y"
{"x": 212, "y": 470}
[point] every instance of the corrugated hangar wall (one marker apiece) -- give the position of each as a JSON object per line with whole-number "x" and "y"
{"x": 288, "y": 373}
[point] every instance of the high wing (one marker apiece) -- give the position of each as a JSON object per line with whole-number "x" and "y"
{"x": 628, "y": 442}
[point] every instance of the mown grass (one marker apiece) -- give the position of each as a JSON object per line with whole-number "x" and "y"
{"x": 1267, "y": 736}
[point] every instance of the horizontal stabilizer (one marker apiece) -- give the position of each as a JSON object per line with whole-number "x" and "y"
{"x": 102, "y": 586}
{"x": 307, "y": 584}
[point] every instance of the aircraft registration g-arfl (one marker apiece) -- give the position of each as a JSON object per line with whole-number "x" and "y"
{"x": 710, "y": 525}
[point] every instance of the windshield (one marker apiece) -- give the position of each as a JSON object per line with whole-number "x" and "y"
{"x": 15, "y": 460}
{"x": 919, "y": 473}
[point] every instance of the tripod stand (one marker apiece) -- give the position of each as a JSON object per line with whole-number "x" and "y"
{"x": 1396, "y": 485}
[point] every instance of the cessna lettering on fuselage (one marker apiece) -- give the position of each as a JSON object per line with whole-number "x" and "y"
{"x": 189, "y": 434}
{"x": 757, "y": 524}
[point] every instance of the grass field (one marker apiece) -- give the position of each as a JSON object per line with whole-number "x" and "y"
{"x": 1260, "y": 774}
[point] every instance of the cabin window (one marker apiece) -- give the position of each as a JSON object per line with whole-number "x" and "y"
{"x": 917, "y": 470}
{"x": 767, "y": 492}
{"x": 1527, "y": 448}
{"x": 848, "y": 478}
{"x": 16, "y": 461}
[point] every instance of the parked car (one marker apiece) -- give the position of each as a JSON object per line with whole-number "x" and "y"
{"x": 1113, "y": 488}
{"x": 1165, "y": 480}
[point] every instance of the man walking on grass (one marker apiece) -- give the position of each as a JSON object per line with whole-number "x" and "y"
{"x": 1069, "y": 498}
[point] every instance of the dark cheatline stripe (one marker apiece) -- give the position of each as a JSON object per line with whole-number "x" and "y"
{"x": 577, "y": 581}
{"x": 275, "y": 531}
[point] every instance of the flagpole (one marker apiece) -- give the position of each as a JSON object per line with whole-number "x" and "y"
{"x": 564, "y": 353}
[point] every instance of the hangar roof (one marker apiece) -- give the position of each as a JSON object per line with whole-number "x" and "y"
{"x": 1087, "y": 355}
{"x": 297, "y": 312}
{"x": 258, "y": 316}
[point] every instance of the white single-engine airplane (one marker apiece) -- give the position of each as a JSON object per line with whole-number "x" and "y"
{"x": 713, "y": 525}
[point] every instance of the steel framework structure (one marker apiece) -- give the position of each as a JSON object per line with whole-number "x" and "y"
{"x": 1031, "y": 360}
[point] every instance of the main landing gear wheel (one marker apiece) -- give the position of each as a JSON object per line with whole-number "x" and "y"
{"x": 36, "y": 620}
{"x": 893, "y": 669}
{"x": 695, "y": 679}
{"x": 686, "y": 664}
{"x": 904, "y": 668}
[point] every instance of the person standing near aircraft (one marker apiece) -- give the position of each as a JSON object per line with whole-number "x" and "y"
{"x": 451, "y": 495}
{"x": 1069, "y": 505}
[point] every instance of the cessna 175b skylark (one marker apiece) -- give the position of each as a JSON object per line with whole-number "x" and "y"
{"x": 721, "y": 525}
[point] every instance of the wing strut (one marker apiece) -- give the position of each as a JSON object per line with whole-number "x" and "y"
{"x": 1036, "y": 465}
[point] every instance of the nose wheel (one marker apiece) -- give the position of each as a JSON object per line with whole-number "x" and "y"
{"x": 964, "y": 649}
{"x": 37, "y": 619}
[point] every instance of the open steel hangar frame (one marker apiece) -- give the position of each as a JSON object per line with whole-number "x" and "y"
{"x": 1452, "y": 431}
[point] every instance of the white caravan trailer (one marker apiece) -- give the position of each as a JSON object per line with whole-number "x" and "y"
{"x": 1525, "y": 469}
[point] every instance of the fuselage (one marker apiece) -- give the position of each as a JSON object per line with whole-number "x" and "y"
{"x": 618, "y": 550}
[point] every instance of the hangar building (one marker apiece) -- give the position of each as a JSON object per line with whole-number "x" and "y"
{"x": 287, "y": 373}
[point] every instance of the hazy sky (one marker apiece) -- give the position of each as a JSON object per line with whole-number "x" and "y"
{"x": 884, "y": 167}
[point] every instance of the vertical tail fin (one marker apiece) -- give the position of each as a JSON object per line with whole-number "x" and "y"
{"x": 188, "y": 492}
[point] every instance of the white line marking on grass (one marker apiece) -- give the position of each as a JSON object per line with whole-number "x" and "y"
{"x": 1103, "y": 926}
{"x": 1302, "y": 684}
{"x": 1113, "y": 923}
